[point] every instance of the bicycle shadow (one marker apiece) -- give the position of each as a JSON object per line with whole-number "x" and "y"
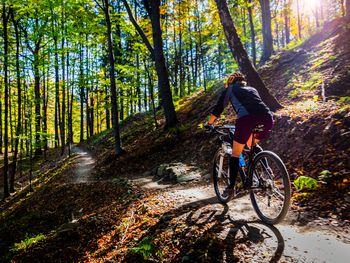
{"x": 223, "y": 239}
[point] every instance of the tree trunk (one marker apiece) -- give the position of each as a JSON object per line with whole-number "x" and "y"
{"x": 108, "y": 119}
{"x": 162, "y": 71}
{"x": 6, "y": 166}
{"x": 299, "y": 19}
{"x": 19, "y": 104}
{"x": 158, "y": 54}
{"x": 37, "y": 99}
{"x": 241, "y": 56}
{"x": 348, "y": 9}
{"x": 286, "y": 13}
{"x": 81, "y": 93}
{"x": 117, "y": 142}
{"x": 252, "y": 31}
{"x": 266, "y": 29}
{"x": 57, "y": 96}
{"x": 63, "y": 118}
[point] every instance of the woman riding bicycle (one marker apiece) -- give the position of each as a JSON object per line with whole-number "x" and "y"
{"x": 251, "y": 111}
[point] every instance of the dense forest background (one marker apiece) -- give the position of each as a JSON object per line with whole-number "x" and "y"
{"x": 72, "y": 69}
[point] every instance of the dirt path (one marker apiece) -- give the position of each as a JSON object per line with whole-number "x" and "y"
{"x": 252, "y": 241}
{"x": 83, "y": 171}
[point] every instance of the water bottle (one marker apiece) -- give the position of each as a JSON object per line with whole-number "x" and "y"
{"x": 241, "y": 161}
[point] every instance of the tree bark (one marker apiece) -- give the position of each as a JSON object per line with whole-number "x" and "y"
{"x": 267, "y": 32}
{"x": 158, "y": 55}
{"x": 57, "y": 95}
{"x": 299, "y": 19}
{"x": 63, "y": 118}
{"x": 286, "y": 14}
{"x": 162, "y": 71}
{"x": 6, "y": 164}
{"x": 37, "y": 103}
{"x": 252, "y": 31}
{"x": 115, "y": 117}
{"x": 19, "y": 104}
{"x": 241, "y": 56}
{"x": 81, "y": 93}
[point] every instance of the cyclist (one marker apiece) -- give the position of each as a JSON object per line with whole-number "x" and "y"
{"x": 251, "y": 111}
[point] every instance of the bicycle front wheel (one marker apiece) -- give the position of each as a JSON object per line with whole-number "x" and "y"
{"x": 271, "y": 191}
{"x": 221, "y": 175}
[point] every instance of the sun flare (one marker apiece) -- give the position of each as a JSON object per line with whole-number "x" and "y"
{"x": 309, "y": 5}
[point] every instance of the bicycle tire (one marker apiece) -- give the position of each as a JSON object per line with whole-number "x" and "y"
{"x": 221, "y": 181}
{"x": 272, "y": 178}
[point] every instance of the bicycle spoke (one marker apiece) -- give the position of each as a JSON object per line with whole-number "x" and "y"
{"x": 271, "y": 201}
{"x": 278, "y": 194}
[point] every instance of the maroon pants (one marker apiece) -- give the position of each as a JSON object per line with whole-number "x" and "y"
{"x": 246, "y": 124}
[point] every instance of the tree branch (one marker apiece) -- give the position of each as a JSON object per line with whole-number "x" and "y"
{"x": 100, "y": 6}
{"x": 139, "y": 30}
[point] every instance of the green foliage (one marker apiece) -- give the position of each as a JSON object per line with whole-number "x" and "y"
{"x": 145, "y": 247}
{"x": 96, "y": 139}
{"x": 305, "y": 183}
{"x": 300, "y": 86}
{"x": 27, "y": 242}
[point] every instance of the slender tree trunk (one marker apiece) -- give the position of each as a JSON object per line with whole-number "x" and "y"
{"x": 63, "y": 118}
{"x": 252, "y": 31}
{"x": 108, "y": 118}
{"x": 57, "y": 95}
{"x": 37, "y": 99}
{"x": 70, "y": 121}
{"x": 299, "y": 19}
{"x": 6, "y": 91}
{"x": 286, "y": 13}
{"x": 91, "y": 116}
{"x": 348, "y": 9}
{"x": 11, "y": 120}
{"x": 151, "y": 92}
{"x": 241, "y": 56}
{"x": 267, "y": 32}
{"x": 82, "y": 93}
{"x": 117, "y": 145}
{"x": 19, "y": 105}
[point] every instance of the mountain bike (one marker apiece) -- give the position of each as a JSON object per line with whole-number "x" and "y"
{"x": 262, "y": 174}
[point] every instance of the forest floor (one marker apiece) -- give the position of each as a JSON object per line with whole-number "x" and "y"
{"x": 77, "y": 216}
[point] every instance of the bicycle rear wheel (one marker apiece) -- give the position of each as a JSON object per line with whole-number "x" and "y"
{"x": 221, "y": 175}
{"x": 271, "y": 190}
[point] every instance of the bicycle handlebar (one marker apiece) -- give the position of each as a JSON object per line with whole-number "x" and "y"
{"x": 218, "y": 129}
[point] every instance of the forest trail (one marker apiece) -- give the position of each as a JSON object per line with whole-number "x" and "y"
{"x": 247, "y": 238}
{"x": 85, "y": 164}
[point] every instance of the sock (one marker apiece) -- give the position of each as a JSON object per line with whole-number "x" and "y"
{"x": 234, "y": 167}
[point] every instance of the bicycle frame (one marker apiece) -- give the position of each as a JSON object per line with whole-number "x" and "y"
{"x": 245, "y": 177}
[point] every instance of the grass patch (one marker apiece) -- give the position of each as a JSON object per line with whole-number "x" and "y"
{"x": 96, "y": 139}
{"x": 300, "y": 86}
{"x": 145, "y": 248}
{"x": 27, "y": 242}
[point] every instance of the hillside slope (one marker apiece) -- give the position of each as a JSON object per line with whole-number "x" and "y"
{"x": 311, "y": 133}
